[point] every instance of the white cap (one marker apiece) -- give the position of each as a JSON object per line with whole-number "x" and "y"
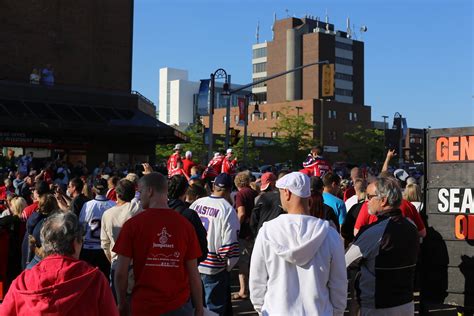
{"x": 188, "y": 154}
{"x": 401, "y": 174}
{"x": 216, "y": 155}
{"x": 297, "y": 183}
{"x": 229, "y": 151}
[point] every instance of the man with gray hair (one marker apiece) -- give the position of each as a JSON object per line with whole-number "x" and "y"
{"x": 60, "y": 284}
{"x": 386, "y": 251}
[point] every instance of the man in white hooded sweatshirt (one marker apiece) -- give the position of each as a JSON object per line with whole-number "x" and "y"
{"x": 298, "y": 265}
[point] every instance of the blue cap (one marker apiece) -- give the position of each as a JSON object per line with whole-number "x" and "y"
{"x": 223, "y": 181}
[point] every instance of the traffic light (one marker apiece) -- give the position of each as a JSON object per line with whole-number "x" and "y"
{"x": 234, "y": 136}
{"x": 328, "y": 80}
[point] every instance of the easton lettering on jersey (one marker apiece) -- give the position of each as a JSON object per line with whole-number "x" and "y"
{"x": 207, "y": 210}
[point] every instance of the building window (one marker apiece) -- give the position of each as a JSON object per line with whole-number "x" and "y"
{"x": 264, "y": 116}
{"x": 274, "y": 115}
{"x": 353, "y": 116}
{"x": 342, "y": 76}
{"x": 260, "y": 52}
{"x": 263, "y": 134}
{"x": 224, "y": 119}
{"x": 251, "y": 134}
{"x": 343, "y": 46}
{"x": 252, "y": 117}
{"x": 332, "y": 114}
{"x": 260, "y": 67}
{"x": 332, "y": 135}
{"x": 343, "y": 61}
{"x": 274, "y": 134}
{"x": 343, "y": 92}
{"x": 262, "y": 84}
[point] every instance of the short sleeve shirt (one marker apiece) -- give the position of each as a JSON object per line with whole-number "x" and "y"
{"x": 159, "y": 241}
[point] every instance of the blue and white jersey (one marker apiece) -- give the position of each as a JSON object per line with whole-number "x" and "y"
{"x": 220, "y": 220}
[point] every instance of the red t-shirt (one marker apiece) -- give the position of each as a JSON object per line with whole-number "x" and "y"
{"x": 408, "y": 210}
{"x": 213, "y": 168}
{"x": 29, "y": 210}
{"x": 177, "y": 172}
{"x": 187, "y": 165}
{"x": 159, "y": 241}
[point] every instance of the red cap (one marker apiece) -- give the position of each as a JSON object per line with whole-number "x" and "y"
{"x": 266, "y": 179}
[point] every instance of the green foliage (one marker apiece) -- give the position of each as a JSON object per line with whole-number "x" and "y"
{"x": 294, "y": 135}
{"x": 366, "y": 145}
{"x": 253, "y": 154}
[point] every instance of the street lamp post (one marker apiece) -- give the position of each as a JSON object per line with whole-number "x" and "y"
{"x": 400, "y": 139}
{"x": 218, "y": 74}
{"x": 385, "y": 117}
{"x": 246, "y": 120}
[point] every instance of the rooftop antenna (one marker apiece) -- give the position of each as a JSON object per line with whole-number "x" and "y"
{"x": 349, "y": 31}
{"x": 257, "y": 34}
{"x": 287, "y": 15}
{"x": 327, "y": 16}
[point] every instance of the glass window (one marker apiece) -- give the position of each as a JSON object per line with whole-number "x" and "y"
{"x": 260, "y": 67}
{"x": 274, "y": 134}
{"x": 343, "y": 61}
{"x": 260, "y": 52}
{"x": 342, "y": 76}
{"x": 344, "y": 46}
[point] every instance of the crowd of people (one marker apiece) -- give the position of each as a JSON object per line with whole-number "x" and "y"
{"x": 111, "y": 241}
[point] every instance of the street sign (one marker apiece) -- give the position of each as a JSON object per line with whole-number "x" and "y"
{"x": 328, "y": 80}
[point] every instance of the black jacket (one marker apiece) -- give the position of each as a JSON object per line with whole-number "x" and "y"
{"x": 268, "y": 207}
{"x": 193, "y": 218}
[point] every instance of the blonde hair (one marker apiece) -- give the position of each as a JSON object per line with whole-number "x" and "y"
{"x": 412, "y": 193}
{"x": 17, "y": 205}
{"x": 242, "y": 179}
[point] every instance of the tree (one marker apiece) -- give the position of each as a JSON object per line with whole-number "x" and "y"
{"x": 294, "y": 134}
{"x": 366, "y": 145}
{"x": 253, "y": 154}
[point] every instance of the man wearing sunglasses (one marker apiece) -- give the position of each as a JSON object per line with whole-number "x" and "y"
{"x": 386, "y": 252}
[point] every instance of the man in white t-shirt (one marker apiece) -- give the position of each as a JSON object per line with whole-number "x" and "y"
{"x": 222, "y": 225}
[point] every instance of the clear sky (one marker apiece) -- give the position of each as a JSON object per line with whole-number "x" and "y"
{"x": 418, "y": 53}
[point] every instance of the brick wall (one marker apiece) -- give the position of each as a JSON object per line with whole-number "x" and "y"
{"x": 88, "y": 43}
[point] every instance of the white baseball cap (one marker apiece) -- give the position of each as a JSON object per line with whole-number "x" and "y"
{"x": 401, "y": 174}
{"x": 297, "y": 183}
{"x": 188, "y": 154}
{"x": 229, "y": 151}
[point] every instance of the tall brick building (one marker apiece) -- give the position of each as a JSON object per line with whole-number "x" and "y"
{"x": 298, "y": 42}
{"x": 90, "y": 113}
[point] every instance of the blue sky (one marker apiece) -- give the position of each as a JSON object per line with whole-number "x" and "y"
{"x": 418, "y": 54}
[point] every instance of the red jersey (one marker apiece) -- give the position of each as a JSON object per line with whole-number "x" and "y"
{"x": 178, "y": 172}
{"x": 408, "y": 210}
{"x": 214, "y": 167}
{"x": 112, "y": 195}
{"x": 316, "y": 166}
{"x": 159, "y": 241}
{"x": 30, "y": 209}
{"x": 173, "y": 162}
{"x": 3, "y": 197}
{"x": 229, "y": 166}
{"x": 187, "y": 165}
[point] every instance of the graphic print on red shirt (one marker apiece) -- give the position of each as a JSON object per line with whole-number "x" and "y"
{"x": 159, "y": 241}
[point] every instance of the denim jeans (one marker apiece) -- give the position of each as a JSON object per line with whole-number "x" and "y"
{"x": 185, "y": 310}
{"x": 216, "y": 291}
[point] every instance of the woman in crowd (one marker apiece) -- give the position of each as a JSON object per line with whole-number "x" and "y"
{"x": 11, "y": 231}
{"x": 412, "y": 194}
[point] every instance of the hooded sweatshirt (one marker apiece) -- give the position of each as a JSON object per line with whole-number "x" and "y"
{"x": 60, "y": 285}
{"x": 298, "y": 268}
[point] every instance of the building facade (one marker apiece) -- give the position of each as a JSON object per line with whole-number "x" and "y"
{"x": 298, "y": 42}
{"x": 182, "y": 101}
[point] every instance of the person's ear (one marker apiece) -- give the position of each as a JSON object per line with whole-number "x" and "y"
{"x": 287, "y": 194}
